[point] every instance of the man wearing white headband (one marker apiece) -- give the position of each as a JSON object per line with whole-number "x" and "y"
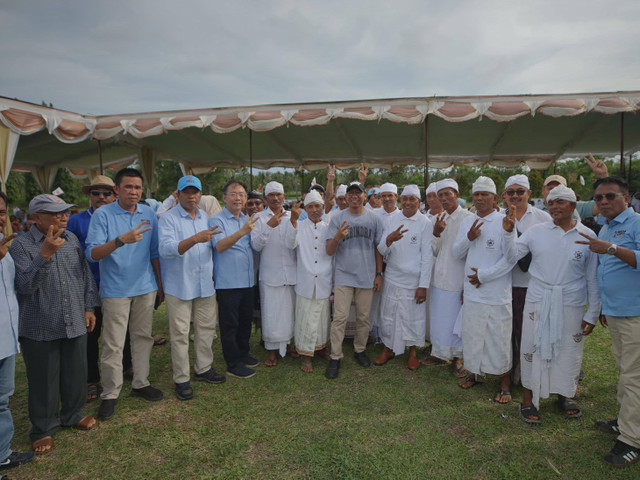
{"x": 277, "y": 274}
{"x": 516, "y": 195}
{"x": 562, "y": 282}
{"x": 406, "y": 245}
{"x": 447, "y": 281}
{"x": 433, "y": 205}
{"x": 487, "y": 241}
{"x": 341, "y": 197}
{"x": 314, "y": 279}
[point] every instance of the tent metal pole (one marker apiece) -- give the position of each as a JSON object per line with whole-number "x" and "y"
{"x": 629, "y": 174}
{"x": 250, "y": 160}
{"x": 100, "y": 157}
{"x": 426, "y": 152}
{"x": 622, "y": 144}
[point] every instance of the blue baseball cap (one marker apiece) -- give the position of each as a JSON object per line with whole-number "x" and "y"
{"x": 189, "y": 181}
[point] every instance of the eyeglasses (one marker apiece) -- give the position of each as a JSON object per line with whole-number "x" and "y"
{"x": 64, "y": 213}
{"x": 520, "y": 192}
{"x": 611, "y": 196}
{"x": 97, "y": 193}
{"x": 236, "y": 194}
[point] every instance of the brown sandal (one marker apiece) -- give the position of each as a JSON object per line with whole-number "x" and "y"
{"x": 87, "y": 423}
{"x": 45, "y": 443}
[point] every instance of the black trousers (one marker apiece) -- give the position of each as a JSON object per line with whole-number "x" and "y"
{"x": 235, "y": 312}
{"x": 93, "y": 351}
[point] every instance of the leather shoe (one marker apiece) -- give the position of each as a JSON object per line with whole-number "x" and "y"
{"x": 386, "y": 355}
{"x": 149, "y": 393}
{"x": 332, "y": 369}
{"x": 107, "y": 409}
{"x": 362, "y": 359}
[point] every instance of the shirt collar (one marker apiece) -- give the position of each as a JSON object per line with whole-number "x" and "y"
{"x": 229, "y": 215}
{"x": 623, "y": 216}
{"x": 36, "y": 234}
{"x": 183, "y": 213}
{"x": 122, "y": 211}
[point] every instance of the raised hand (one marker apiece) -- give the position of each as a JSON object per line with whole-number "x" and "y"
{"x": 362, "y": 173}
{"x": 595, "y": 245}
{"x": 331, "y": 174}
{"x": 598, "y": 167}
{"x": 342, "y": 232}
{"x": 396, "y": 235}
{"x": 474, "y": 231}
{"x": 276, "y": 219}
{"x": 249, "y": 224}
{"x": 3, "y": 244}
{"x": 473, "y": 278}
{"x": 440, "y": 225}
{"x": 135, "y": 235}
{"x": 205, "y": 236}
{"x": 296, "y": 210}
{"x": 52, "y": 243}
{"x": 509, "y": 221}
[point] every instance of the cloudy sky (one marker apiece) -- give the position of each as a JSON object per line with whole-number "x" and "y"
{"x": 119, "y": 56}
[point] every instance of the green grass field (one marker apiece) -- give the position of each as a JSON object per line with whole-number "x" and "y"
{"x": 376, "y": 423}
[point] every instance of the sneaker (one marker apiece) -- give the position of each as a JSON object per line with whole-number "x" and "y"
{"x": 210, "y": 376}
{"x": 184, "y": 391}
{"x": 362, "y": 359}
{"x": 249, "y": 361}
{"x": 609, "y": 427}
{"x": 149, "y": 393}
{"x": 107, "y": 409}
{"x": 622, "y": 455}
{"x": 240, "y": 371}
{"x": 15, "y": 459}
{"x": 332, "y": 369}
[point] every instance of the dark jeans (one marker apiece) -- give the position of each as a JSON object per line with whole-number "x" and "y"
{"x": 519, "y": 294}
{"x": 57, "y": 379}
{"x": 93, "y": 351}
{"x": 235, "y": 311}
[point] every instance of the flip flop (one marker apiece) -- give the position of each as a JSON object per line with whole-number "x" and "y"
{"x": 500, "y": 397}
{"x": 468, "y": 382}
{"x": 460, "y": 372}
{"x": 42, "y": 442}
{"x": 271, "y": 362}
{"x": 530, "y": 411}
{"x": 433, "y": 361}
{"x": 92, "y": 392}
{"x": 87, "y": 423}
{"x": 157, "y": 341}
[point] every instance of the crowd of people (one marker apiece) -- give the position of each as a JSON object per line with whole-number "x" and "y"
{"x": 502, "y": 289}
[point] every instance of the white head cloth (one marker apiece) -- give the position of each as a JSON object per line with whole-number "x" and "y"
{"x": 447, "y": 183}
{"x": 389, "y": 188}
{"x": 273, "y": 187}
{"x": 484, "y": 184}
{"x": 519, "y": 179}
{"x": 313, "y": 197}
{"x": 431, "y": 188}
{"x": 411, "y": 190}
{"x": 562, "y": 193}
{"x": 341, "y": 191}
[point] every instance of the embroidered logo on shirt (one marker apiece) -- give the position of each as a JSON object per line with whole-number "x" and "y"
{"x": 414, "y": 239}
{"x": 577, "y": 255}
{"x": 619, "y": 233}
{"x": 491, "y": 244}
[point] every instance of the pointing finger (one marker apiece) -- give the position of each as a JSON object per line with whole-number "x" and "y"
{"x": 50, "y": 231}
{"x": 586, "y": 236}
{"x": 8, "y": 238}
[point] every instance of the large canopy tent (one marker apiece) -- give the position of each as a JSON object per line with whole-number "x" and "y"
{"x": 436, "y": 132}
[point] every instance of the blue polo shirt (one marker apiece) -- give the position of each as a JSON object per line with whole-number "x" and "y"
{"x": 232, "y": 268}
{"x": 127, "y": 272}
{"x": 617, "y": 280}
{"x": 79, "y": 226}
{"x": 189, "y": 275}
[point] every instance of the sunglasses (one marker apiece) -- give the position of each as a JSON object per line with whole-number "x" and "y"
{"x": 97, "y": 193}
{"x": 609, "y": 196}
{"x": 511, "y": 193}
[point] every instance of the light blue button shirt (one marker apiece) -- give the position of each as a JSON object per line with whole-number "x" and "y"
{"x": 127, "y": 272}
{"x": 189, "y": 275}
{"x": 232, "y": 268}
{"x": 618, "y": 281}
{"x": 8, "y": 308}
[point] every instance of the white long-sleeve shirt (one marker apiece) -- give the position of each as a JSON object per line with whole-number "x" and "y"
{"x": 410, "y": 259}
{"x": 277, "y": 261}
{"x": 448, "y": 273}
{"x": 531, "y": 217}
{"x": 558, "y": 260}
{"x": 314, "y": 269}
{"x": 493, "y": 253}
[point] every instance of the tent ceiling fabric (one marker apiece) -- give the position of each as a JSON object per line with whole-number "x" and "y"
{"x": 503, "y": 131}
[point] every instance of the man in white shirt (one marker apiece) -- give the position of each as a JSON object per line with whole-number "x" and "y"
{"x": 445, "y": 299}
{"x": 486, "y": 240}
{"x": 563, "y": 281}
{"x": 434, "y": 207}
{"x": 314, "y": 279}
{"x": 277, "y": 274}
{"x": 406, "y": 246}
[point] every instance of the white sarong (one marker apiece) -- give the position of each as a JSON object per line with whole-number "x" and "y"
{"x": 277, "y": 305}
{"x": 486, "y": 338}
{"x": 312, "y": 324}
{"x": 560, "y": 374}
{"x": 403, "y": 321}
{"x": 444, "y": 306}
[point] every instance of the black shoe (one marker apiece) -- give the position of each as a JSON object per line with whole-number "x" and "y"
{"x": 362, "y": 359}
{"x": 184, "y": 391}
{"x": 107, "y": 409}
{"x": 149, "y": 393}
{"x": 210, "y": 376}
{"x": 332, "y": 369}
{"x": 15, "y": 459}
{"x": 622, "y": 455}
{"x": 249, "y": 361}
{"x": 609, "y": 427}
{"x": 240, "y": 371}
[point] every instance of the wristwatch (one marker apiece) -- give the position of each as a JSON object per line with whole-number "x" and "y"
{"x": 378, "y": 274}
{"x": 119, "y": 243}
{"x": 613, "y": 248}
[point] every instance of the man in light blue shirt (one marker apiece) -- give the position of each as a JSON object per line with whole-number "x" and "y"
{"x": 186, "y": 258}
{"x": 234, "y": 279}
{"x": 123, "y": 237}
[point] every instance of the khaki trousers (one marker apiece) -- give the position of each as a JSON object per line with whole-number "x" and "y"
{"x": 625, "y": 340}
{"x": 181, "y": 313}
{"x": 341, "y": 305}
{"x": 117, "y": 313}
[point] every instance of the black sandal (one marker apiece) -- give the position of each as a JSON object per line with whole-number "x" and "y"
{"x": 527, "y": 412}
{"x": 92, "y": 392}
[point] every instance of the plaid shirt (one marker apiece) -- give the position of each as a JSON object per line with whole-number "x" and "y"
{"x": 53, "y": 294}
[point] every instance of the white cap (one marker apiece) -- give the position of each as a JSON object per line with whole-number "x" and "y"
{"x": 313, "y": 197}
{"x": 562, "y": 193}
{"x": 388, "y": 188}
{"x": 431, "y": 188}
{"x": 273, "y": 187}
{"x": 447, "y": 183}
{"x": 411, "y": 190}
{"x": 484, "y": 184}
{"x": 341, "y": 191}
{"x": 519, "y": 179}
